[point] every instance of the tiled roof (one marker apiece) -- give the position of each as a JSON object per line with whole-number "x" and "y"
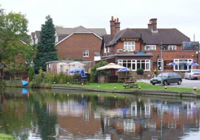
{"x": 166, "y": 36}
{"x": 80, "y": 29}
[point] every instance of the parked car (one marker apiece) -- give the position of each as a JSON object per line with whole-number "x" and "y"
{"x": 167, "y": 78}
{"x": 192, "y": 74}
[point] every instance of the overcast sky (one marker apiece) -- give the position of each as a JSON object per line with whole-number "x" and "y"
{"x": 181, "y": 14}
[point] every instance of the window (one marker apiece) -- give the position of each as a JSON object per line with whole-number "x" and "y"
{"x": 135, "y": 64}
{"x": 172, "y": 47}
{"x": 150, "y": 47}
{"x": 108, "y": 49}
{"x": 129, "y": 46}
{"x": 104, "y": 49}
{"x": 86, "y": 53}
{"x": 56, "y": 39}
{"x": 182, "y": 64}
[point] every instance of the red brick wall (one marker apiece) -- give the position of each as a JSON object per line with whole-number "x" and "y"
{"x": 74, "y": 46}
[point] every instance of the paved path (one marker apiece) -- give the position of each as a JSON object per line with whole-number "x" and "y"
{"x": 185, "y": 83}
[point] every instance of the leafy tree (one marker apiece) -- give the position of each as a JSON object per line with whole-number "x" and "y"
{"x": 95, "y": 73}
{"x": 13, "y": 34}
{"x": 46, "y": 47}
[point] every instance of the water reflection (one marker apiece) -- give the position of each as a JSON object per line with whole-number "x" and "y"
{"x": 55, "y": 115}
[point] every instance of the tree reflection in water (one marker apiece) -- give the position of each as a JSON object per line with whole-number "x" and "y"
{"x": 49, "y": 115}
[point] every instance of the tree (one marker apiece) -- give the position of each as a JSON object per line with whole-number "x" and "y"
{"x": 13, "y": 34}
{"x": 46, "y": 47}
{"x": 95, "y": 73}
{"x": 31, "y": 73}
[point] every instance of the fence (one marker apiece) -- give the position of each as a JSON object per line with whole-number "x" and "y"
{"x": 16, "y": 75}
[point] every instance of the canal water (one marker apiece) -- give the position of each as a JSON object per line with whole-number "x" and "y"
{"x": 66, "y": 115}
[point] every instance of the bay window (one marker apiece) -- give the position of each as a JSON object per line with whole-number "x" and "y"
{"x": 135, "y": 64}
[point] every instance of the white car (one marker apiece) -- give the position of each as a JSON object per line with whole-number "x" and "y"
{"x": 192, "y": 74}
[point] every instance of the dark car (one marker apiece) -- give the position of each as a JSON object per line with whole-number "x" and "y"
{"x": 167, "y": 78}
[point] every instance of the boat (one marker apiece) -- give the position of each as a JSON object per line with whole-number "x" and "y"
{"x": 24, "y": 83}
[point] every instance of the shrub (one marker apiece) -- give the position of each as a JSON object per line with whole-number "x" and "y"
{"x": 140, "y": 71}
{"x": 94, "y": 73}
{"x": 44, "y": 79}
{"x": 31, "y": 73}
{"x": 155, "y": 71}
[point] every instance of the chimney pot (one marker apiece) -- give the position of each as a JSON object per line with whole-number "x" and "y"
{"x": 153, "y": 24}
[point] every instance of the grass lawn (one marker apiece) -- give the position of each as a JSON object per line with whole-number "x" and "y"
{"x": 5, "y": 137}
{"x": 144, "y": 86}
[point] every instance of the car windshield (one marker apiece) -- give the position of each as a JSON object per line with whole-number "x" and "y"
{"x": 196, "y": 70}
{"x": 163, "y": 75}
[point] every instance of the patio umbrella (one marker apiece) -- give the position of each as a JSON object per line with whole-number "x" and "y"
{"x": 193, "y": 64}
{"x": 110, "y": 66}
{"x": 77, "y": 70}
{"x": 124, "y": 69}
{"x": 171, "y": 64}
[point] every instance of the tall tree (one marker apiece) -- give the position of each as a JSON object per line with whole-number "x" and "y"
{"x": 13, "y": 33}
{"x": 46, "y": 47}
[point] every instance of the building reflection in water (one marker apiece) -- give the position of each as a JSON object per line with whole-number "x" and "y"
{"x": 141, "y": 119}
{"x": 85, "y": 117}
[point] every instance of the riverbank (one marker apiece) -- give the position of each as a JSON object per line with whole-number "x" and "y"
{"x": 145, "y": 89}
{"x": 118, "y": 88}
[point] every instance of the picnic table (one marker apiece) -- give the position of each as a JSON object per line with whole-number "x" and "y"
{"x": 130, "y": 83}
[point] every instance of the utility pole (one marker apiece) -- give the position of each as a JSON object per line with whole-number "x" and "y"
{"x": 161, "y": 57}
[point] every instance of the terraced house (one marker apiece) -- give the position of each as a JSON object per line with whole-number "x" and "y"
{"x": 141, "y": 47}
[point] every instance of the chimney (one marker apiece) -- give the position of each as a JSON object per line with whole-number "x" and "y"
{"x": 112, "y": 27}
{"x": 117, "y": 25}
{"x": 153, "y": 24}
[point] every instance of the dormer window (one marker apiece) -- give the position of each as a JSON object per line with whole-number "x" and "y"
{"x": 129, "y": 46}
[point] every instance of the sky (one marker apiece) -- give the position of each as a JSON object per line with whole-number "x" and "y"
{"x": 181, "y": 14}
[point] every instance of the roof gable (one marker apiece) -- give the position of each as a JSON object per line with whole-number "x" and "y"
{"x": 75, "y": 33}
{"x": 126, "y": 33}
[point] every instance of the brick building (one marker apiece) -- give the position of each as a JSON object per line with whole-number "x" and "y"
{"x": 76, "y": 43}
{"x": 141, "y": 47}
{"x": 81, "y": 43}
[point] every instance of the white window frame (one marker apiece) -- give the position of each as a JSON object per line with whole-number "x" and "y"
{"x": 86, "y": 53}
{"x": 129, "y": 46}
{"x": 108, "y": 49}
{"x": 135, "y": 62}
{"x": 150, "y": 47}
{"x": 177, "y": 67}
{"x": 172, "y": 48}
{"x": 104, "y": 49}
{"x": 56, "y": 39}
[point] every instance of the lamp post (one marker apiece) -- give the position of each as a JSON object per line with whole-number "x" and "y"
{"x": 197, "y": 55}
{"x": 161, "y": 62}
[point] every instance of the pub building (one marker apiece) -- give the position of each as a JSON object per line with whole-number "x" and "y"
{"x": 136, "y": 48}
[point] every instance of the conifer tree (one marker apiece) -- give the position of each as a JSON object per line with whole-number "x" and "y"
{"x": 46, "y": 47}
